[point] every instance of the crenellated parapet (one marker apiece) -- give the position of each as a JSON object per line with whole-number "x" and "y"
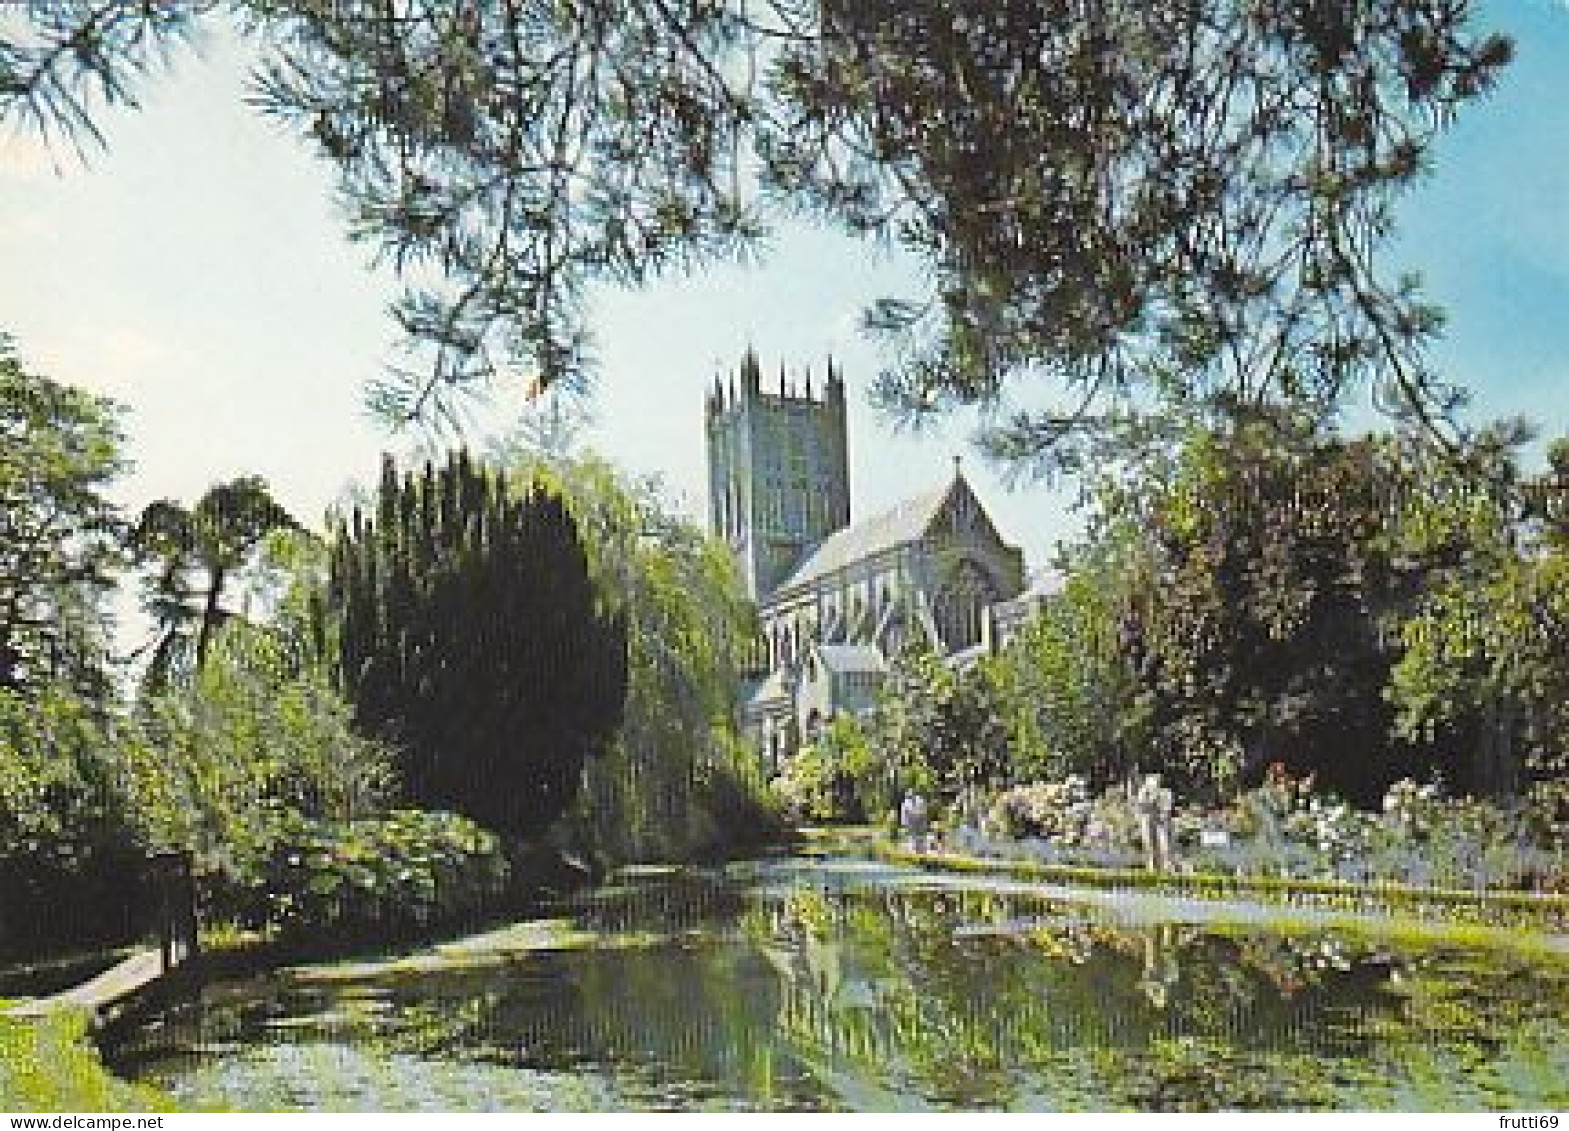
{"x": 778, "y": 458}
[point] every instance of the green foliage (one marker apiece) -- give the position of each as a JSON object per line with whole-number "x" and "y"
{"x": 199, "y": 553}
{"x": 1123, "y": 202}
{"x": 66, "y": 862}
{"x": 1483, "y": 673}
{"x": 1484, "y": 676}
{"x": 1258, "y": 632}
{"x": 837, "y": 776}
{"x": 53, "y": 777}
{"x": 466, "y": 631}
{"x": 59, "y": 534}
{"x": 406, "y": 870}
{"x": 220, "y": 766}
{"x": 1064, "y": 688}
{"x": 677, "y": 779}
{"x": 941, "y": 729}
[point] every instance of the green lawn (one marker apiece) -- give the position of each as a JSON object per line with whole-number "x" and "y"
{"x": 48, "y": 1064}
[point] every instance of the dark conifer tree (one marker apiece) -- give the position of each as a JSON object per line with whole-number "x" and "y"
{"x": 466, "y": 631}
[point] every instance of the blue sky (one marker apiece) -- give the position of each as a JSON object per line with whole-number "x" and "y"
{"x": 197, "y": 272}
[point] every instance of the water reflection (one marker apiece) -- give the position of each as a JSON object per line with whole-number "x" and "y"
{"x": 797, "y": 986}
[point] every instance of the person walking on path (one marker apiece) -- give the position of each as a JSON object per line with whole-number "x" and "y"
{"x": 914, "y": 821}
{"x": 1152, "y": 806}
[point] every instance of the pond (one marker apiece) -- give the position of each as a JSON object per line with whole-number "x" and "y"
{"x": 833, "y": 983}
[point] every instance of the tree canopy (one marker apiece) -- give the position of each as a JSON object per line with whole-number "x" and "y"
{"x": 198, "y": 551}
{"x": 940, "y": 727}
{"x": 1116, "y": 203}
{"x": 59, "y": 533}
{"x": 676, "y": 778}
{"x": 1259, "y": 632}
{"x": 467, "y": 632}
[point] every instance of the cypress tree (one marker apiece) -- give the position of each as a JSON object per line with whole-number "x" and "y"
{"x": 466, "y": 631}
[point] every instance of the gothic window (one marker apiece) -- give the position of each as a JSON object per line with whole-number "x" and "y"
{"x": 960, "y": 605}
{"x": 833, "y": 623}
{"x": 962, "y": 516}
{"x": 797, "y": 455}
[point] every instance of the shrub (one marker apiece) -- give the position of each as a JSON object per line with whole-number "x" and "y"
{"x": 835, "y": 777}
{"x": 1062, "y": 822}
{"x": 1055, "y": 811}
{"x": 405, "y": 871}
{"x": 222, "y": 766}
{"x": 811, "y": 788}
{"x": 67, "y": 864}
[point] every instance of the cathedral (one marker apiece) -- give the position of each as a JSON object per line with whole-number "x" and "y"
{"x": 837, "y": 599}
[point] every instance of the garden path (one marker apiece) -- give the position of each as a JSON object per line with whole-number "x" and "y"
{"x": 100, "y": 993}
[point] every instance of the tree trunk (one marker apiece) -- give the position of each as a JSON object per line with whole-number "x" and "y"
{"x": 210, "y": 613}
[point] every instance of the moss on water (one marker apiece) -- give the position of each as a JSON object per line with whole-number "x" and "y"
{"x": 48, "y": 1064}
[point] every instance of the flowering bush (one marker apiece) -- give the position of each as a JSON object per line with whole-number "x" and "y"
{"x": 1466, "y": 842}
{"x": 1287, "y": 828}
{"x": 1419, "y": 837}
{"x": 1060, "y": 822}
{"x": 1413, "y": 809}
{"x": 1058, "y": 812}
{"x": 835, "y": 777}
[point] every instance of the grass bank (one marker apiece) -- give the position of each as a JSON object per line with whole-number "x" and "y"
{"x": 49, "y": 1064}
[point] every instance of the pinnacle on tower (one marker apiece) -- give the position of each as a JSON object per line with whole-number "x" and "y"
{"x": 833, "y": 391}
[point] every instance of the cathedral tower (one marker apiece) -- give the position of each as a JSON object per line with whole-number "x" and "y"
{"x": 778, "y": 470}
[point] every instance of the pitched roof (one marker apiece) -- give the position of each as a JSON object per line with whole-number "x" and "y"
{"x": 845, "y": 658}
{"x": 905, "y": 523}
{"x": 773, "y": 691}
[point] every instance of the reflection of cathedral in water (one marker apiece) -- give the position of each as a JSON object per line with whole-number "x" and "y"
{"x": 960, "y": 992}
{"x": 837, "y": 600}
